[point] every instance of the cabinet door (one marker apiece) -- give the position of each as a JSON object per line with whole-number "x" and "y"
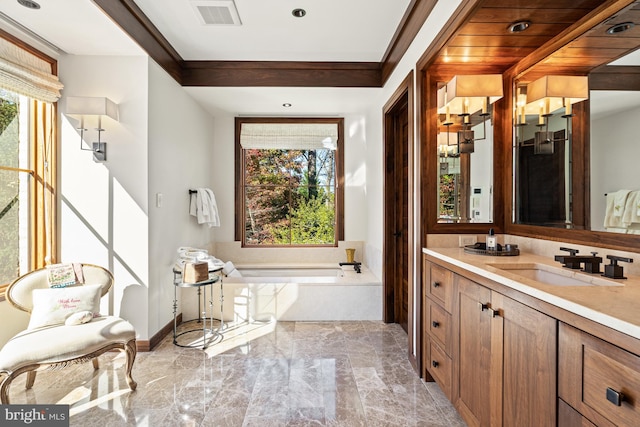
{"x": 529, "y": 340}
{"x": 472, "y": 353}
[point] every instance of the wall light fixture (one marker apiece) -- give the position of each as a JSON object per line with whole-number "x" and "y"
{"x": 546, "y": 95}
{"x": 96, "y": 108}
{"x": 464, "y": 96}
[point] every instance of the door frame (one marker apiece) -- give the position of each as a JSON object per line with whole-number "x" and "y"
{"x": 403, "y": 93}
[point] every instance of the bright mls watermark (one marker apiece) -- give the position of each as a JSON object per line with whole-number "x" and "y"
{"x": 34, "y": 415}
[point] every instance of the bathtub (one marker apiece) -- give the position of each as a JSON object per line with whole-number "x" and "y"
{"x": 290, "y": 272}
{"x": 295, "y": 293}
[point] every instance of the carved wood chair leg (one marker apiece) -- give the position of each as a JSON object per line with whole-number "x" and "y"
{"x": 4, "y": 390}
{"x": 96, "y": 364}
{"x": 31, "y": 378}
{"x": 130, "y": 357}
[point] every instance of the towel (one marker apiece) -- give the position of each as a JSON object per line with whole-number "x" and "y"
{"x": 204, "y": 207}
{"x": 228, "y": 268}
{"x": 620, "y": 200}
{"x": 615, "y": 205}
{"x": 631, "y": 214}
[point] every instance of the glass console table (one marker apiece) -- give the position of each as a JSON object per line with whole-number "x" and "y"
{"x": 208, "y": 333}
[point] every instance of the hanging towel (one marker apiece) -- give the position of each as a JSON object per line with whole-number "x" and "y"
{"x": 631, "y": 214}
{"x": 614, "y": 208}
{"x": 204, "y": 207}
{"x": 620, "y": 200}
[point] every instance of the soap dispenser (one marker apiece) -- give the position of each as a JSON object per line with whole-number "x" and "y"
{"x": 491, "y": 241}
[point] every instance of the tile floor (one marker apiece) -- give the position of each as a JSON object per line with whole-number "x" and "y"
{"x": 261, "y": 374}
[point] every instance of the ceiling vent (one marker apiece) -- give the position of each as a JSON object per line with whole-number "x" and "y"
{"x": 216, "y": 12}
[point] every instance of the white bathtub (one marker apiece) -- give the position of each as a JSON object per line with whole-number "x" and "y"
{"x": 290, "y": 272}
{"x": 309, "y": 293}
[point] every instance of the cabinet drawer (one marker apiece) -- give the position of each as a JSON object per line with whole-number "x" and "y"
{"x": 439, "y": 326}
{"x": 441, "y": 286}
{"x": 599, "y": 379}
{"x": 440, "y": 367}
{"x": 612, "y": 383}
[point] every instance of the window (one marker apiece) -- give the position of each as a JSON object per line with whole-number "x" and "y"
{"x": 289, "y": 176}
{"x": 27, "y": 160}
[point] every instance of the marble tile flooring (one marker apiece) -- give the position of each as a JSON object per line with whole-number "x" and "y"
{"x": 260, "y": 374}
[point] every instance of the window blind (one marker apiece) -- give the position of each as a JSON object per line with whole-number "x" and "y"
{"x": 24, "y": 73}
{"x": 289, "y": 136}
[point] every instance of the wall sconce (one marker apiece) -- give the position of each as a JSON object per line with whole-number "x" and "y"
{"x": 546, "y": 95}
{"x": 464, "y": 96}
{"x": 92, "y": 106}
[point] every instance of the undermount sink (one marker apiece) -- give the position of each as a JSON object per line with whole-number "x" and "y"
{"x": 555, "y": 276}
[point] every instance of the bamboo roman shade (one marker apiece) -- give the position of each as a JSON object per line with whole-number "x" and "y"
{"x": 24, "y": 73}
{"x": 289, "y": 136}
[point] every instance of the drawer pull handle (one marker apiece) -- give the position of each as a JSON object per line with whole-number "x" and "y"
{"x": 494, "y": 313}
{"x": 614, "y": 397}
{"x": 435, "y": 324}
{"x": 436, "y": 284}
{"x": 435, "y": 364}
{"x": 483, "y": 306}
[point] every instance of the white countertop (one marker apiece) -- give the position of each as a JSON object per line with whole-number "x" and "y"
{"x": 616, "y": 306}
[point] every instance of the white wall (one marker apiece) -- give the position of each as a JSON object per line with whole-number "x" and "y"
{"x": 614, "y": 164}
{"x": 180, "y": 158}
{"x": 104, "y": 206}
{"x": 109, "y": 216}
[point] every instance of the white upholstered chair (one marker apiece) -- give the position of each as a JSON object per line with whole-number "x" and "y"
{"x": 59, "y": 345}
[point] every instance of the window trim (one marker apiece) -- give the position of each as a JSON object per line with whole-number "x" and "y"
{"x": 240, "y": 174}
{"x": 43, "y": 181}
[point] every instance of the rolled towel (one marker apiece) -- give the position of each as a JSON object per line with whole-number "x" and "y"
{"x": 234, "y": 273}
{"x": 228, "y": 268}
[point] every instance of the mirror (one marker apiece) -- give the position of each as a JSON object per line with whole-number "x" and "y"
{"x": 543, "y": 150}
{"x": 590, "y": 182}
{"x": 465, "y": 147}
{"x": 614, "y": 167}
{"x": 465, "y": 171}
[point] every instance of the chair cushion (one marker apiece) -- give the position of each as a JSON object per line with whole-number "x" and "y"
{"x": 52, "y": 344}
{"x": 53, "y": 306}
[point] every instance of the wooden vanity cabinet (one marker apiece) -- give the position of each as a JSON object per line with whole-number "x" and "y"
{"x": 502, "y": 353}
{"x": 599, "y": 380}
{"x": 438, "y": 325}
{"x": 504, "y": 358}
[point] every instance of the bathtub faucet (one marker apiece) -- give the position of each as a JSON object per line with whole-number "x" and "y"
{"x": 356, "y": 265}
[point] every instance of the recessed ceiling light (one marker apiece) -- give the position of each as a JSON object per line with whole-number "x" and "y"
{"x": 29, "y": 4}
{"x": 620, "y": 28}
{"x": 520, "y": 26}
{"x": 298, "y": 13}
{"x": 286, "y": 105}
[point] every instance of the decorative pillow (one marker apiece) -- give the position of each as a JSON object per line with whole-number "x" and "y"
{"x": 79, "y": 318}
{"x": 53, "y": 306}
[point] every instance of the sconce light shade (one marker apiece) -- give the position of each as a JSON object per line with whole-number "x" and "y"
{"x": 82, "y": 106}
{"x": 550, "y": 93}
{"x": 467, "y": 94}
{"x": 91, "y": 106}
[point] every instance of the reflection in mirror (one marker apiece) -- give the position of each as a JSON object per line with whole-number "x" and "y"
{"x": 543, "y": 150}
{"x": 465, "y": 172}
{"x": 615, "y": 172}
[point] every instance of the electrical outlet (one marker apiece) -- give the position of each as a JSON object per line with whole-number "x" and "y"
{"x": 467, "y": 240}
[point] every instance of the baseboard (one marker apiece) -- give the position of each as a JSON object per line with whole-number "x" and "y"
{"x": 148, "y": 345}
